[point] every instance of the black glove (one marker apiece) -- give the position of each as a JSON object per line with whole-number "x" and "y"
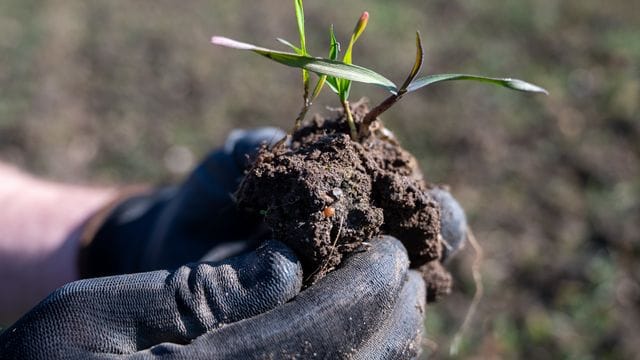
{"x": 173, "y": 226}
{"x": 453, "y": 222}
{"x": 371, "y": 307}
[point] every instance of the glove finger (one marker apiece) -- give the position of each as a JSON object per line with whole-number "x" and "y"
{"x": 204, "y": 206}
{"x": 235, "y": 289}
{"x": 453, "y": 222}
{"x": 244, "y": 144}
{"x": 219, "y": 174}
{"x": 400, "y": 337}
{"x": 128, "y": 313}
{"x": 333, "y": 318}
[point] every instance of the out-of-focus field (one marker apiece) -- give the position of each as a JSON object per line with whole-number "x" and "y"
{"x": 109, "y": 92}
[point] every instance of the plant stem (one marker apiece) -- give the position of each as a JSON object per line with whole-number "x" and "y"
{"x": 301, "y": 115}
{"x": 308, "y": 101}
{"x": 352, "y": 125}
{"x": 297, "y": 123}
{"x": 376, "y": 111}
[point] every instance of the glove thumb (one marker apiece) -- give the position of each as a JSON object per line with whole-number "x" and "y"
{"x": 129, "y": 313}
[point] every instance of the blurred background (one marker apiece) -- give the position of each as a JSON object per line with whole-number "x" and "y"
{"x": 114, "y": 92}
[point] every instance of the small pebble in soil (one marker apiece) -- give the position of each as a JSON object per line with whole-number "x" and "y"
{"x": 328, "y": 212}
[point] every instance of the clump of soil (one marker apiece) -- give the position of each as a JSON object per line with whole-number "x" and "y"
{"x": 325, "y": 196}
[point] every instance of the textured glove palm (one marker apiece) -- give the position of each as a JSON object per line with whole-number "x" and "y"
{"x": 371, "y": 307}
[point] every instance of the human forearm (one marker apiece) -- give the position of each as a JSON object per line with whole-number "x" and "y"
{"x": 37, "y": 254}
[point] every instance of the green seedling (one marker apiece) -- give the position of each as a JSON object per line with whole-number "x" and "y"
{"x": 342, "y": 87}
{"x": 302, "y": 50}
{"x": 339, "y": 75}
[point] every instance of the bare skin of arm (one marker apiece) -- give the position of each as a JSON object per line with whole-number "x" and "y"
{"x": 37, "y": 253}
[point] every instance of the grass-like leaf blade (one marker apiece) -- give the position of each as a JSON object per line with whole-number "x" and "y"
{"x": 317, "y": 65}
{"x": 334, "y": 50}
{"x": 303, "y": 45}
{"x": 333, "y": 84}
{"x": 293, "y": 47}
{"x": 357, "y": 31}
{"x": 417, "y": 65}
{"x": 344, "y": 86}
{"x": 319, "y": 85}
{"x": 300, "y": 20}
{"x": 334, "y": 45}
{"x": 514, "y": 84}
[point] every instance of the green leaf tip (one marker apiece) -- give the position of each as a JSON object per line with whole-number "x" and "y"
{"x": 230, "y": 43}
{"x": 524, "y": 86}
{"x": 514, "y": 84}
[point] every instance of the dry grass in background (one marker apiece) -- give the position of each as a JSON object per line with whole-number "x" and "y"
{"x": 118, "y": 91}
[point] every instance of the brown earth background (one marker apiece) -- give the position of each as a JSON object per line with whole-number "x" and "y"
{"x": 111, "y": 92}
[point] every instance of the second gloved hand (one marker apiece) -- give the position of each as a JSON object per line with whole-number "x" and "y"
{"x": 372, "y": 307}
{"x": 166, "y": 228}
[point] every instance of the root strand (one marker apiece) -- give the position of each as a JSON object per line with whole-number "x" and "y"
{"x": 473, "y": 307}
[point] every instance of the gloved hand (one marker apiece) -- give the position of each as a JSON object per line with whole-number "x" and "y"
{"x": 199, "y": 220}
{"x": 371, "y": 307}
{"x": 170, "y": 227}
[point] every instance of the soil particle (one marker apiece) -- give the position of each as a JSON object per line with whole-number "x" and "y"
{"x": 324, "y": 195}
{"x": 438, "y": 280}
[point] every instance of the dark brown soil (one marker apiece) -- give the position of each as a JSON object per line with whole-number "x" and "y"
{"x": 325, "y": 196}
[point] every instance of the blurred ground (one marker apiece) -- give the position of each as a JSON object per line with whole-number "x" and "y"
{"x": 117, "y": 92}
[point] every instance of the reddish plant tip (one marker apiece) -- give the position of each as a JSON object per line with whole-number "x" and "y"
{"x": 361, "y": 25}
{"x": 362, "y": 22}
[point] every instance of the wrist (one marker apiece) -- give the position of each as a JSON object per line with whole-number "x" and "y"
{"x": 36, "y": 252}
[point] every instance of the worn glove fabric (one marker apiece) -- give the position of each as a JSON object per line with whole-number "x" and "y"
{"x": 372, "y": 307}
{"x": 173, "y": 226}
{"x": 127, "y": 313}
